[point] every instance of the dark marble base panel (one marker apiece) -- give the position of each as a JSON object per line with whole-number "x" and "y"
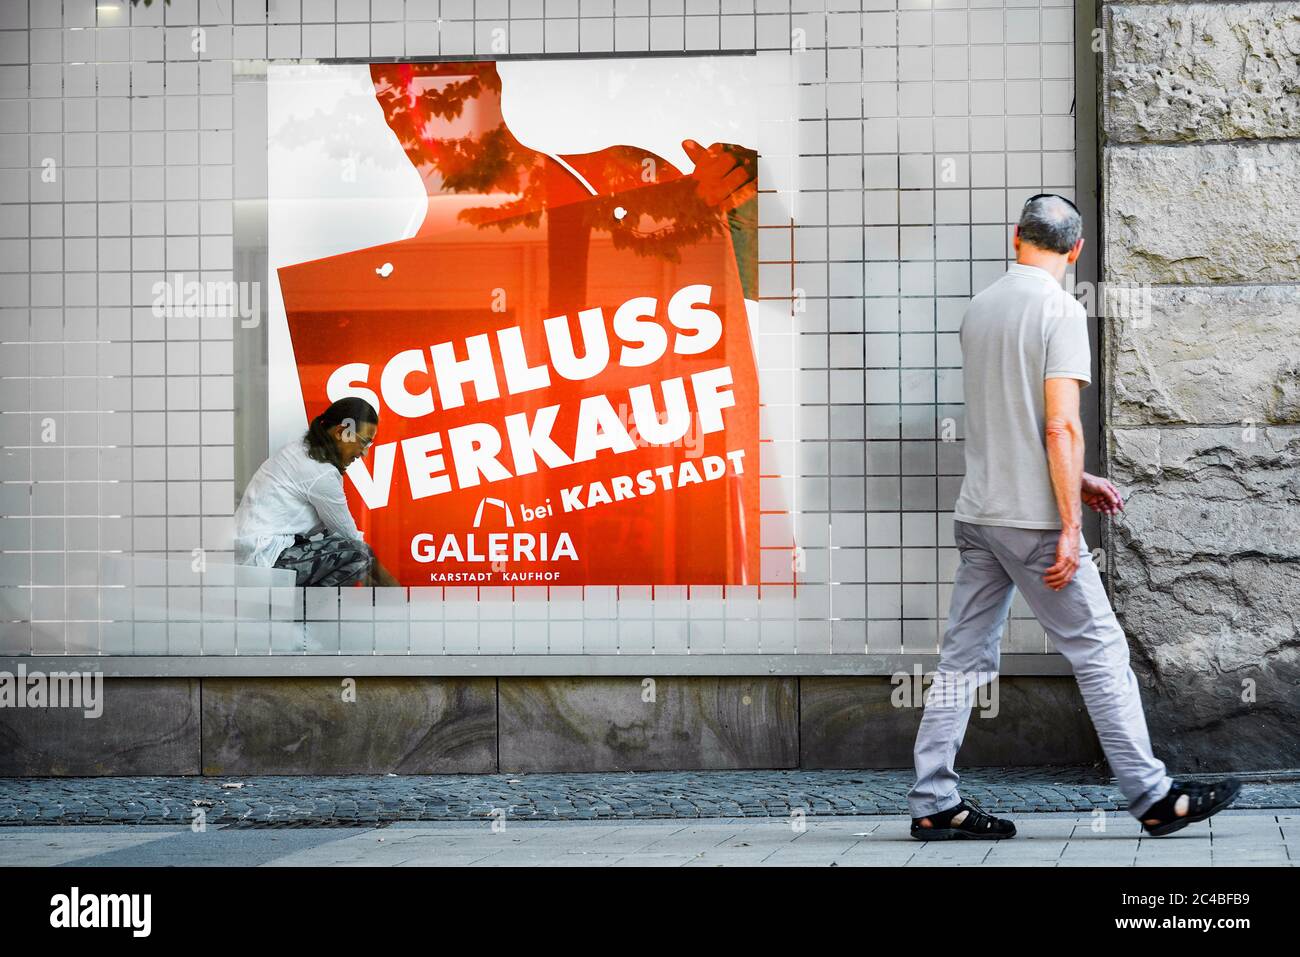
{"x": 426, "y": 725}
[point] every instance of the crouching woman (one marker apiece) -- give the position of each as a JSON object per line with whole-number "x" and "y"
{"x": 294, "y": 513}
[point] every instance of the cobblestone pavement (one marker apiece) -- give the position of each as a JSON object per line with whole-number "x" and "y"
{"x": 356, "y": 800}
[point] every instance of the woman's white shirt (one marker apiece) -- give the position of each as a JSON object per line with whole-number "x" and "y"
{"x": 290, "y": 494}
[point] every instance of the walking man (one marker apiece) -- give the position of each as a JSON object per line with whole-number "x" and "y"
{"x": 1025, "y": 359}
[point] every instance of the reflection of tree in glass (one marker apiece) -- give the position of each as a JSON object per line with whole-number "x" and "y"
{"x": 340, "y": 131}
{"x": 491, "y": 163}
{"x": 495, "y": 162}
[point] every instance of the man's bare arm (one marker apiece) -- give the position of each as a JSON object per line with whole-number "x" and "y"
{"x": 1065, "y": 443}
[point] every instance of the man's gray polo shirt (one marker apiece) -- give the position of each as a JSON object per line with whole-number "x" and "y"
{"x": 1020, "y": 331}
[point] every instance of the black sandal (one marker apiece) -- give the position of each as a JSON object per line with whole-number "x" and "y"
{"x": 1203, "y": 800}
{"x": 978, "y": 825}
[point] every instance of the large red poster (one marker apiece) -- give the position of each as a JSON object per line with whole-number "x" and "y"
{"x": 560, "y": 357}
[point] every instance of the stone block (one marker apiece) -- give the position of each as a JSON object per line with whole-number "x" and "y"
{"x": 147, "y": 726}
{"x": 1202, "y": 71}
{"x": 857, "y": 722}
{"x": 1210, "y": 355}
{"x": 1203, "y": 214}
{"x": 1206, "y": 581}
{"x": 307, "y": 726}
{"x": 606, "y": 724}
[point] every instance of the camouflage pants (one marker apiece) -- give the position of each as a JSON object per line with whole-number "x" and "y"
{"x": 324, "y": 558}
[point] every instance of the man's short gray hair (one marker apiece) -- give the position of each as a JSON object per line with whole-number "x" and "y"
{"x": 1049, "y": 222}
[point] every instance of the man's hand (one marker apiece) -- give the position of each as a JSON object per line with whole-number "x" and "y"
{"x": 726, "y": 175}
{"x": 1100, "y": 495}
{"x": 1067, "y": 559}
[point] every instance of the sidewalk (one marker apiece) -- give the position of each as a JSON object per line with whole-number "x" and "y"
{"x": 335, "y": 801}
{"x": 1232, "y": 838}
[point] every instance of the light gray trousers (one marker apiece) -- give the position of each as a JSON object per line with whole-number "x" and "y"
{"x": 995, "y": 560}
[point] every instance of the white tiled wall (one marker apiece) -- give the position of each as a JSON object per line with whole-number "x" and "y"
{"x": 922, "y": 127}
